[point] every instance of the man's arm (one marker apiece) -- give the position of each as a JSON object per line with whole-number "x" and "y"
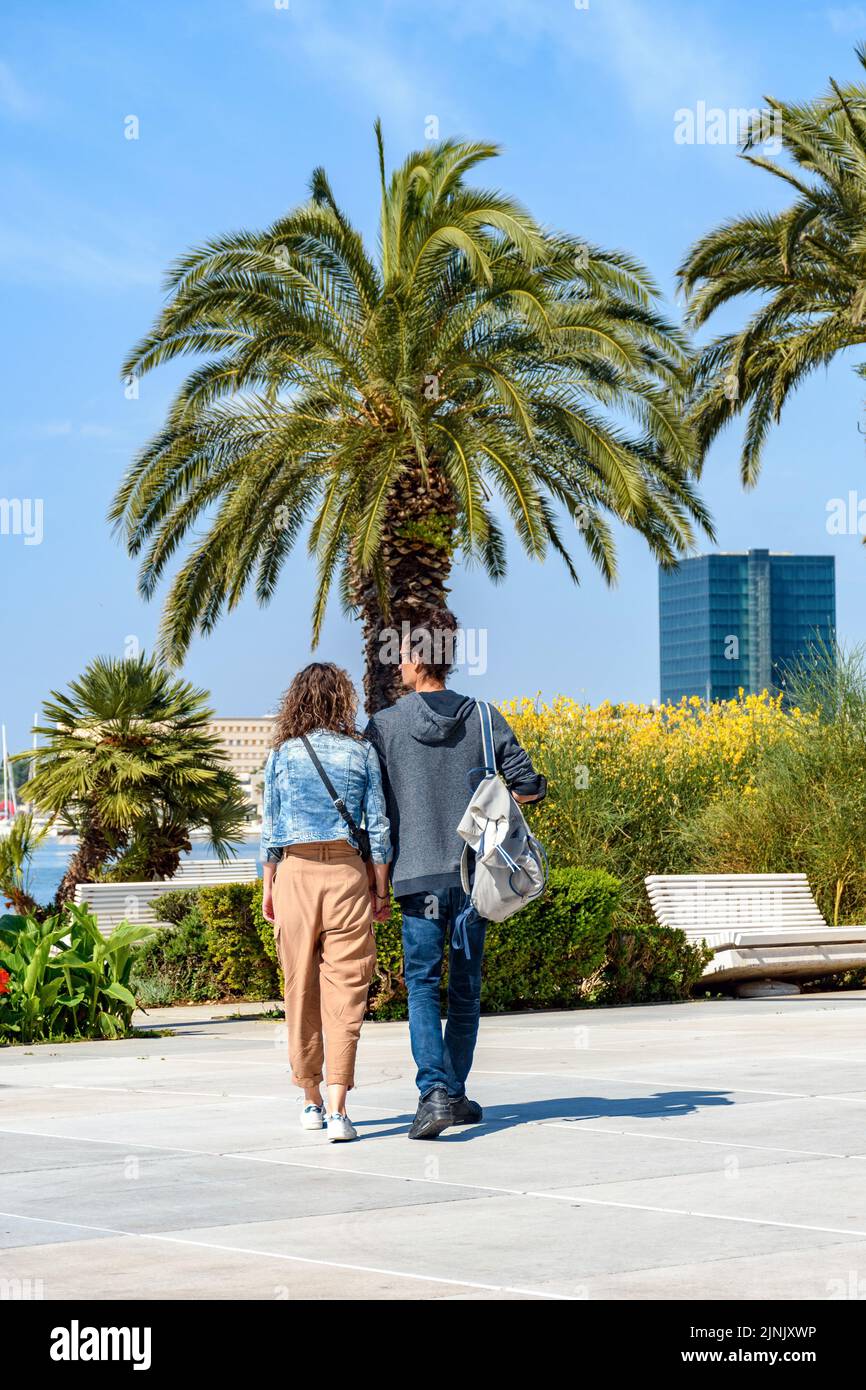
{"x": 515, "y": 764}
{"x": 373, "y": 736}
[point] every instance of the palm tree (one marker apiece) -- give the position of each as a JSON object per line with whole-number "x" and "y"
{"x": 808, "y": 264}
{"x": 383, "y": 401}
{"x": 127, "y": 760}
{"x": 16, "y": 858}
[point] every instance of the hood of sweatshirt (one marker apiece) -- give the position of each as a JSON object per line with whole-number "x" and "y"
{"x": 427, "y": 725}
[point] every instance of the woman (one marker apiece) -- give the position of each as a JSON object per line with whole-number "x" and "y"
{"x": 317, "y": 890}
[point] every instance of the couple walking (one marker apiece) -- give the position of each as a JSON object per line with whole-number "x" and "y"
{"x": 394, "y": 796}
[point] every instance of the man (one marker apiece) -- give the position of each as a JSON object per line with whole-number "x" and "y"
{"x": 431, "y": 754}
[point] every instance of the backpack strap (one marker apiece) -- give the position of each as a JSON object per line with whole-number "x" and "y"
{"x": 465, "y": 881}
{"x": 487, "y": 738}
{"x": 338, "y": 801}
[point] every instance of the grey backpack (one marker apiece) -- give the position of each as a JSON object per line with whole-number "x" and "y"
{"x": 510, "y": 864}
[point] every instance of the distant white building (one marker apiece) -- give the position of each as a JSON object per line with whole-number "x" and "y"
{"x": 246, "y": 744}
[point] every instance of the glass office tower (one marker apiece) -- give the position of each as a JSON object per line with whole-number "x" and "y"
{"x": 741, "y": 619}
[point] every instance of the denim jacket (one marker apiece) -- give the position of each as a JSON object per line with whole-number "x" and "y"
{"x": 298, "y": 809}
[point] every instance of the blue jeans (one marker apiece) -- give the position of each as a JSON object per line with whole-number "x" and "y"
{"x": 428, "y": 920}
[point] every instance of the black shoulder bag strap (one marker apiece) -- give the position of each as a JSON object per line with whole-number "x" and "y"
{"x": 361, "y": 837}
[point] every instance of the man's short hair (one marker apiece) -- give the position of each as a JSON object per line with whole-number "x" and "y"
{"x": 432, "y": 642}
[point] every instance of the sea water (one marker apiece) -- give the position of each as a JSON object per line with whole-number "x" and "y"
{"x": 53, "y": 855}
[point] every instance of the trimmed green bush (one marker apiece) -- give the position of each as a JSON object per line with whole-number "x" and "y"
{"x": 239, "y": 939}
{"x": 388, "y": 992}
{"x": 176, "y": 967}
{"x": 549, "y": 956}
{"x": 174, "y": 907}
{"x": 651, "y": 963}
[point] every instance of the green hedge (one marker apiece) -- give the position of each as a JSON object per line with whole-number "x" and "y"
{"x": 558, "y": 952}
{"x": 551, "y": 955}
{"x": 546, "y": 957}
{"x": 649, "y": 964}
{"x": 177, "y": 965}
{"x": 240, "y": 941}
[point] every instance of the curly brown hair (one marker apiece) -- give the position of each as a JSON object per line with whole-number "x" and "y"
{"x": 321, "y": 696}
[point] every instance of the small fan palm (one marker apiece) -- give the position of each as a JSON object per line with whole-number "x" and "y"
{"x": 383, "y": 402}
{"x": 17, "y": 849}
{"x": 808, "y": 264}
{"x": 127, "y": 760}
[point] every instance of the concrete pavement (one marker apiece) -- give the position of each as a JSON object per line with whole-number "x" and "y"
{"x": 702, "y": 1150}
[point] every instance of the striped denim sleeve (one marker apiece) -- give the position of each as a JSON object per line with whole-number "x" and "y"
{"x": 265, "y": 845}
{"x": 375, "y": 813}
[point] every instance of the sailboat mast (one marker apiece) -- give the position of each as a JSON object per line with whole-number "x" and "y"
{"x": 5, "y": 778}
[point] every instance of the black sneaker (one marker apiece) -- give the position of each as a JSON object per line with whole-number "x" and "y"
{"x": 434, "y": 1114}
{"x": 466, "y": 1112}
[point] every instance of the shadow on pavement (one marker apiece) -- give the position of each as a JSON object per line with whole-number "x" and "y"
{"x": 662, "y": 1105}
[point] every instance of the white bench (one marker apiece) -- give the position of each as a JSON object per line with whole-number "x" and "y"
{"x": 112, "y": 903}
{"x": 760, "y": 927}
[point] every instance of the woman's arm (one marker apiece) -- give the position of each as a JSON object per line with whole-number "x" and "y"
{"x": 380, "y": 892}
{"x": 379, "y": 830}
{"x": 375, "y": 811}
{"x": 266, "y": 846}
{"x": 268, "y": 871}
{"x": 268, "y": 795}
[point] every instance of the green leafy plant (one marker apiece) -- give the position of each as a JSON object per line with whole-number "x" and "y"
{"x": 17, "y": 848}
{"x": 32, "y": 1001}
{"x": 64, "y": 979}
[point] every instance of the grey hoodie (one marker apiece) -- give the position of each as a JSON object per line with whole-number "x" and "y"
{"x": 431, "y": 761}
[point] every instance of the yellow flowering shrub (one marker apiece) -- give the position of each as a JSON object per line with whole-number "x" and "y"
{"x": 626, "y": 780}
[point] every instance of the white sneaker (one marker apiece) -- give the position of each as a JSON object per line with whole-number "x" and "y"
{"x": 313, "y": 1117}
{"x": 340, "y": 1129}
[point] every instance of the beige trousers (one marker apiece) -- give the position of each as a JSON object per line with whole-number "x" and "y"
{"x": 327, "y": 951}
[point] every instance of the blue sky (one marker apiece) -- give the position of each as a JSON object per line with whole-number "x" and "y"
{"x": 237, "y": 102}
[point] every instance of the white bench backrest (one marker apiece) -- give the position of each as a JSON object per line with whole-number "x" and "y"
{"x": 699, "y": 904}
{"x": 193, "y": 871}
{"x": 112, "y": 903}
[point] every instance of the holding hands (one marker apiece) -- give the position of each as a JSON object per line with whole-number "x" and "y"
{"x": 380, "y": 894}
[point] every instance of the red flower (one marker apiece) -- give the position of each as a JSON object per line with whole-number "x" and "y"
{"x": 5, "y": 977}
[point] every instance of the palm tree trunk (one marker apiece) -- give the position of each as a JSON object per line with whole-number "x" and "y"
{"x": 417, "y": 550}
{"x": 164, "y": 851}
{"x": 22, "y": 904}
{"x": 86, "y": 862}
{"x": 154, "y": 852}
